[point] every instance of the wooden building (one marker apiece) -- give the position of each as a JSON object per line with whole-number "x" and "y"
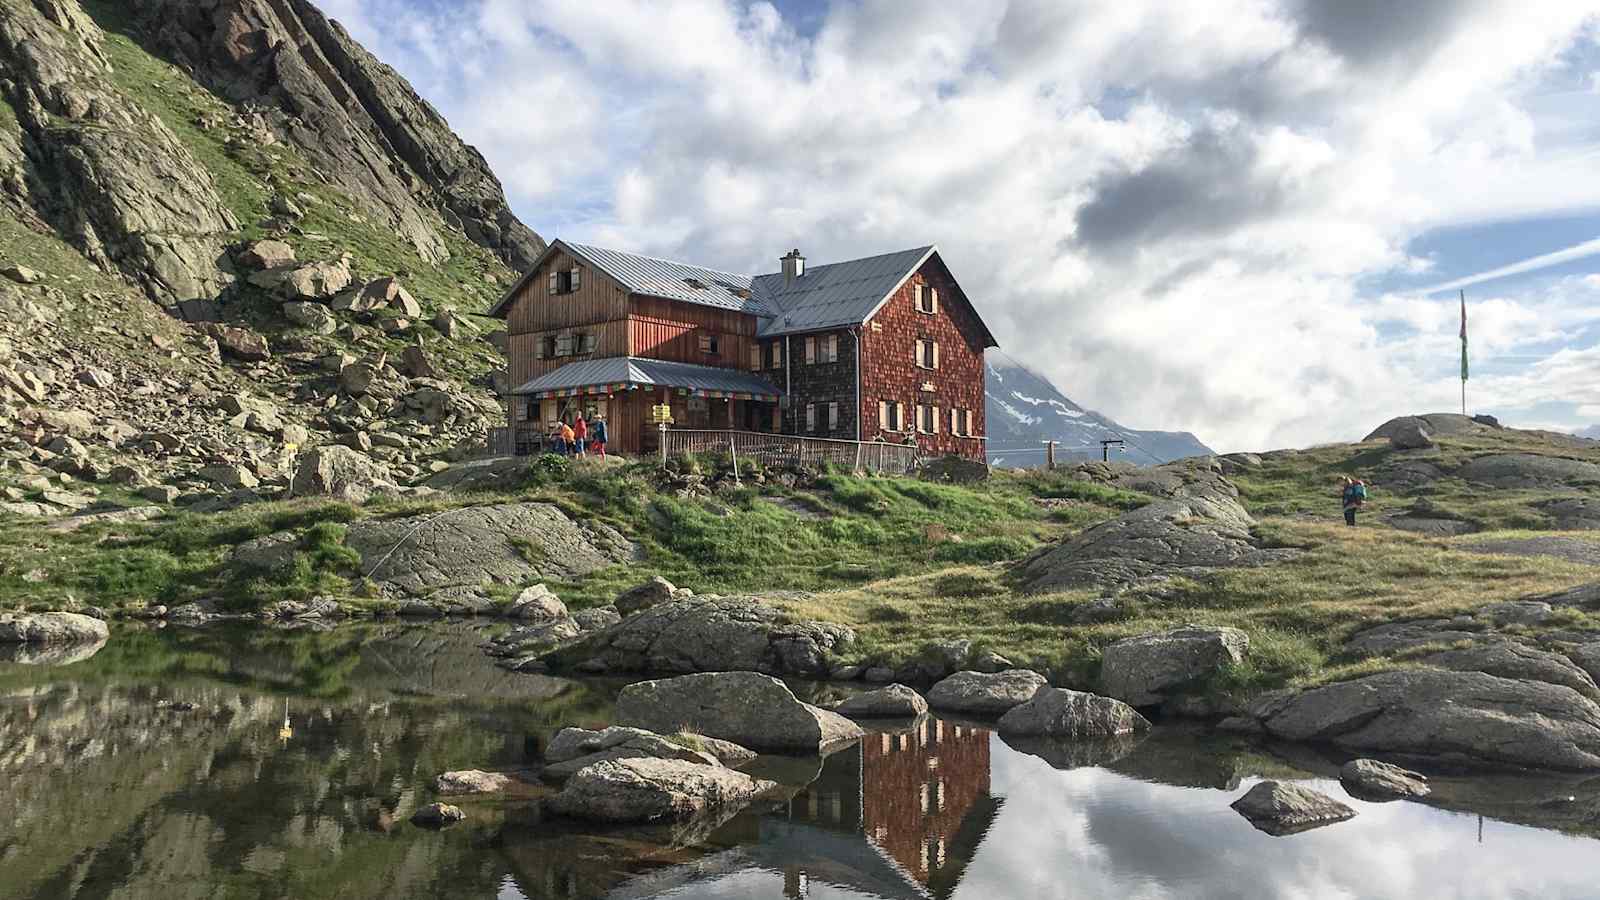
{"x": 882, "y": 348}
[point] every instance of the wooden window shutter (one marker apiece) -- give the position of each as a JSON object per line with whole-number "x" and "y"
{"x": 935, "y": 418}
{"x": 577, "y": 277}
{"x": 833, "y": 416}
{"x": 883, "y": 415}
{"x": 935, "y": 354}
{"x": 755, "y": 356}
{"x": 811, "y": 350}
{"x": 966, "y": 421}
{"x": 811, "y": 417}
{"x": 955, "y": 421}
{"x": 554, "y": 281}
{"x": 933, "y": 299}
{"x": 919, "y": 291}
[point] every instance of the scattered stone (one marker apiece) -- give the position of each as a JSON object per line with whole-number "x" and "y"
{"x": 437, "y": 815}
{"x": 984, "y": 694}
{"x": 752, "y": 710}
{"x": 230, "y": 476}
{"x": 416, "y": 362}
{"x": 1279, "y": 808}
{"x": 470, "y": 781}
{"x": 266, "y": 255}
{"x": 896, "y": 700}
{"x": 22, "y": 274}
{"x": 537, "y": 604}
{"x": 334, "y": 471}
{"x": 239, "y": 343}
{"x": 656, "y": 590}
{"x": 652, "y": 790}
{"x": 313, "y": 316}
{"x": 96, "y": 378}
{"x": 1077, "y": 715}
{"x": 1369, "y": 779}
{"x": 1140, "y": 670}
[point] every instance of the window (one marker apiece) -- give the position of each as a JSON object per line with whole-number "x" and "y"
{"x": 833, "y": 416}
{"x": 927, "y": 418}
{"x": 961, "y": 422}
{"x": 564, "y": 345}
{"x": 775, "y": 355}
{"x": 927, "y": 299}
{"x": 891, "y": 415}
{"x": 709, "y": 343}
{"x": 831, "y": 345}
{"x": 927, "y": 354}
{"x": 585, "y": 342}
{"x": 523, "y": 408}
{"x": 822, "y": 349}
{"x": 811, "y": 417}
{"x": 565, "y": 282}
{"x": 547, "y": 347}
{"x": 811, "y": 350}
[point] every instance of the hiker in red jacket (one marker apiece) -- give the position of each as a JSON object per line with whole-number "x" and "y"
{"x": 580, "y": 431}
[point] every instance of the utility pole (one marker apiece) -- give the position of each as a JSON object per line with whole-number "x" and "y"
{"x": 1050, "y": 455}
{"x": 1105, "y": 448}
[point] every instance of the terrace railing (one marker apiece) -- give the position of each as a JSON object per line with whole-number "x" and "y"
{"x": 791, "y": 450}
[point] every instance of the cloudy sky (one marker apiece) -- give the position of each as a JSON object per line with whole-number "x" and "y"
{"x": 1243, "y": 218}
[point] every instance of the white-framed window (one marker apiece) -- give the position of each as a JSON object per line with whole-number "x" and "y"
{"x": 961, "y": 422}
{"x": 830, "y": 346}
{"x": 927, "y": 354}
{"x": 891, "y": 415}
{"x": 927, "y": 418}
{"x": 927, "y": 299}
{"x": 811, "y": 417}
{"x": 822, "y": 349}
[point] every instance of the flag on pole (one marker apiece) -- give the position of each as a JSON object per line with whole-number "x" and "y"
{"x": 1463, "y": 335}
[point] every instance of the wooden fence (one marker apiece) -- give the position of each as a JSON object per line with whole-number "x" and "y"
{"x": 791, "y": 450}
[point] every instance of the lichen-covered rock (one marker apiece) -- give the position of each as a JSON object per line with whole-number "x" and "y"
{"x": 1140, "y": 670}
{"x": 708, "y": 634}
{"x": 895, "y": 700}
{"x": 1529, "y": 470}
{"x": 51, "y": 628}
{"x": 332, "y": 470}
{"x": 985, "y": 694}
{"x": 652, "y": 790}
{"x": 437, "y": 815}
{"x": 506, "y": 543}
{"x": 1369, "y": 779}
{"x": 752, "y": 710}
{"x": 1458, "y": 717}
{"x": 1509, "y": 659}
{"x": 572, "y": 749}
{"x": 470, "y": 781}
{"x": 1076, "y": 715}
{"x": 655, "y": 591}
{"x": 1280, "y": 808}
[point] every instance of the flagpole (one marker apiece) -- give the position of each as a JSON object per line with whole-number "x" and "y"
{"x": 1463, "y": 351}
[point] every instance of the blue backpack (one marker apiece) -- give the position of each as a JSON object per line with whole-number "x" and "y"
{"x": 1355, "y": 493}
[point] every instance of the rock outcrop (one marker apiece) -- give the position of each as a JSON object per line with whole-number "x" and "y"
{"x": 752, "y": 710}
{"x": 336, "y": 471}
{"x": 1281, "y": 808}
{"x": 1201, "y": 527}
{"x": 895, "y": 700}
{"x": 572, "y": 749}
{"x": 1143, "y": 670}
{"x": 470, "y": 781}
{"x": 353, "y": 117}
{"x": 508, "y": 542}
{"x": 1074, "y": 715}
{"x": 708, "y": 634}
{"x": 983, "y": 694}
{"x": 1460, "y": 717}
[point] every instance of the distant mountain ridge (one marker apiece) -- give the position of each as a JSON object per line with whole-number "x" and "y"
{"x": 1023, "y": 410}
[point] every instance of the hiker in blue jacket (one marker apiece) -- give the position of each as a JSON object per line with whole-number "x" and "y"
{"x": 1355, "y": 494}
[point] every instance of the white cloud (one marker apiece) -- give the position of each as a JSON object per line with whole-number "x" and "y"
{"x": 1166, "y": 208}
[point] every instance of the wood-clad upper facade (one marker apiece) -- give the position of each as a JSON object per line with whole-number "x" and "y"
{"x": 884, "y": 348}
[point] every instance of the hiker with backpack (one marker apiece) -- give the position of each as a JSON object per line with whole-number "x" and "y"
{"x": 1355, "y": 496}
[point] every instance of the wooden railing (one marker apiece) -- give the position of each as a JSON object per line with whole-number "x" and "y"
{"x": 791, "y": 450}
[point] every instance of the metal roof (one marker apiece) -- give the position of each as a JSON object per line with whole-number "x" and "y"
{"x": 636, "y": 371}
{"x": 675, "y": 280}
{"x": 843, "y": 293}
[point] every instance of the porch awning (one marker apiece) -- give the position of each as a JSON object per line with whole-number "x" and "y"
{"x": 625, "y": 373}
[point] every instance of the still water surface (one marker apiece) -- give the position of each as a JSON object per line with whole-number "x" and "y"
{"x": 295, "y": 773}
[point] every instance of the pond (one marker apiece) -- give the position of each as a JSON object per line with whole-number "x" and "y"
{"x": 304, "y": 753}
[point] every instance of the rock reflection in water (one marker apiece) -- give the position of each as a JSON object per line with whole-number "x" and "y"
{"x": 49, "y": 654}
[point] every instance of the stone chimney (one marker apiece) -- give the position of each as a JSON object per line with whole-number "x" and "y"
{"x": 794, "y": 265}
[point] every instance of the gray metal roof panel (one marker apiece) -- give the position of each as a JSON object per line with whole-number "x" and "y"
{"x": 835, "y": 294}
{"x": 665, "y": 278}
{"x": 640, "y": 371}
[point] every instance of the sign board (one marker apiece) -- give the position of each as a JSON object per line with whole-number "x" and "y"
{"x": 661, "y": 414}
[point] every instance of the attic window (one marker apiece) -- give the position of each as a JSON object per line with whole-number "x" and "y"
{"x": 695, "y": 283}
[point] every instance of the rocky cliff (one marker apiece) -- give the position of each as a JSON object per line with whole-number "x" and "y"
{"x": 228, "y": 234}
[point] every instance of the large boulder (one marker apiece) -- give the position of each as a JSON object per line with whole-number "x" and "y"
{"x": 1530, "y": 471}
{"x": 506, "y": 543}
{"x": 1141, "y": 670}
{"x": 1060, "y": 713}
{"x": 332, "y": 470}
{"x": 748, "y": 708}
{"x": 537, "y": 604}
{"x": 1181, "y": 535}
{"x": 1369, "y": 779}
{"x": 1434, "y": 423}
{"x": 709, "y": 634}
{"x": 1461, "y": 717}
{"x": 240, "y": 343}
{"x": 1280, "y": 808}
{"x": 50, "y": 628}
{"x": 470, "y": 781}
{"x": 1412, "y": 435}
{"x": 1508, "y": 659}
{"x": 656, "y": 591}
{"x": 985, "y": 694}
{"x": 653, "y": 790}
{"x": 895, "y": 700}
{"x": 266, "y": 255}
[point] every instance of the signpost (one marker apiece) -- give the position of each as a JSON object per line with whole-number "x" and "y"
{"x": 661, "y": 414}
